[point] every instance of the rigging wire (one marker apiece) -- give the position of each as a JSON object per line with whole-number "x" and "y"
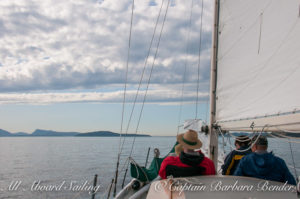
{"x": 149, "y": 79}
{"x": 126, "y": 75}
{"x": 206, "y": 107}
{"x": 140, "y": 83}
{"x": 199, "y": 60}
{"x": 229, "y": 141}
{"x": 185, "y": 67}
{"x": 148, "y": 83}
{"x": 124, "y": 98}
{"x": 142, "y": 76}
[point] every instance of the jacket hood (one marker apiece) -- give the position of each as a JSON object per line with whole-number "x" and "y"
{"x": 264, "y": 162}
{"x": 191, "y": 159}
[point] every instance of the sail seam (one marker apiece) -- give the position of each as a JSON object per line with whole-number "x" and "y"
{"x": 259, "y": 117}
{"x": 269, "y": 126}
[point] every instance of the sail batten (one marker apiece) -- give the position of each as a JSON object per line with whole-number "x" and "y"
{"x": 258, "y": 65}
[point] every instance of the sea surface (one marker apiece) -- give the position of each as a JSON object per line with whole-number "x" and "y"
{"x": 64, "y": 167}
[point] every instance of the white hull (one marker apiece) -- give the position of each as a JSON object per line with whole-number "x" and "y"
{"x": 231, "y": 187}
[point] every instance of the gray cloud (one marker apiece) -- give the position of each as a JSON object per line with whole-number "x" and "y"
{"x": 62, "y": 45}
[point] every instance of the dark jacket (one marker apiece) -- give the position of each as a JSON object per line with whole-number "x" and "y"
{"x": 232, "y": 160}
{"x": 265, "y": 166}
{"x": 186, "y": 165}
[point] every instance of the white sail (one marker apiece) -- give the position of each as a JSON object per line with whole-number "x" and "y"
{"x": 258, "y": 65}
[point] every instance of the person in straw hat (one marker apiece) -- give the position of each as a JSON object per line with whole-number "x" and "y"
{"x": 189, "y": 162}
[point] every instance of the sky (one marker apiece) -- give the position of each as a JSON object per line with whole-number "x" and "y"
{"x": 63, "y": 64}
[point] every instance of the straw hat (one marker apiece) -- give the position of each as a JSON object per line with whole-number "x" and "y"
{"x": 189, "y": 140}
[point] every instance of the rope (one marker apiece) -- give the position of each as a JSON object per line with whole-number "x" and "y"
{"x": 136, "y": 165}
{"x": 285, "y": 136}
{"x": 185, "y": 67}
{"x": 199, "y": 61}
{"x": 286, "y": 132}
{"x": 296, "y": 174}
{"x": 223, "y": 142}
{"x": 291, "y": 166}
{"x": 233, "y": 148}
{"x": 284, "y": 139}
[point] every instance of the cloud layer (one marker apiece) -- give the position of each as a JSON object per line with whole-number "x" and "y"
{"x": 50, "y": 47}
{"x": 155, "y": 96}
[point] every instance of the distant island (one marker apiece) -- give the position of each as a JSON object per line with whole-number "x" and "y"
{"x": 41, "y": 132}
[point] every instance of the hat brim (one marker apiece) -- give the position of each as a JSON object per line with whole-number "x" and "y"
{"x": 180, "y": 141}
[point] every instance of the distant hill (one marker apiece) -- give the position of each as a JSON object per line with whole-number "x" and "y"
{"x": 4, "y": 133}
{"x": 109, "y": 134}
{"x": 20, "y": 134}
{"x": 40, "y": 132}
{"x": 297, "y": 135}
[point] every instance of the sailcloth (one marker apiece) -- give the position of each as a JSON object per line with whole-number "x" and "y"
{"x": 258, "y": 65}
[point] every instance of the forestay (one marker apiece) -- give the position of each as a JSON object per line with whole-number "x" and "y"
{"x": 258, "y": 71}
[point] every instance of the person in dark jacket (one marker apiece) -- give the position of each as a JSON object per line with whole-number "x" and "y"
{"x": 189, "y": 162}
{"x": 242, "y": 143}
{"x": 263, "y": 164}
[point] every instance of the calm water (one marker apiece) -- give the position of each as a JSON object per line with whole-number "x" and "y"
{"x": 71, "y": 162}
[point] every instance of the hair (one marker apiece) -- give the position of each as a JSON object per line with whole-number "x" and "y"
{"x": 260, "y": 141}
{"x": 242, "y": 140}
{"x": 261, "y": 147}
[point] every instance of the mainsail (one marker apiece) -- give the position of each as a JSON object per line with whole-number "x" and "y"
{"x": 258, "y": 65}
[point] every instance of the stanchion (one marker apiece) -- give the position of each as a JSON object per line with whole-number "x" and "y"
{"x": 94, "y": 186}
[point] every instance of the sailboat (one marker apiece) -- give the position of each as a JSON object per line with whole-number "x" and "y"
{"x": 255, "y": 70}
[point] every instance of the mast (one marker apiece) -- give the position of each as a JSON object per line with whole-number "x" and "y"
{"x": 213, "y": 137}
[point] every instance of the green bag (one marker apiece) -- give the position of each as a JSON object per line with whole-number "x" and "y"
{"x": 146, "y": 175}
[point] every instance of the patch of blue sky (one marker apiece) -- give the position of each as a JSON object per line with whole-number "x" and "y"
{"x": 21, "y": 61}
{"x": 172, "y": 3}
{"x": 85, "y": 117}
{"x": 152, "y": 3}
